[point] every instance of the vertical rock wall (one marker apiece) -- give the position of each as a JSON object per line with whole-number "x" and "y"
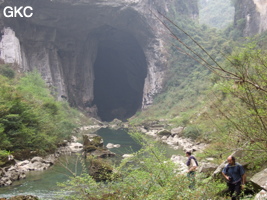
{"x": 61, "y": 40}
{"x": 261, "y": 7}
{"x": 251, "y": 16}
{"x": 10, "y": 47}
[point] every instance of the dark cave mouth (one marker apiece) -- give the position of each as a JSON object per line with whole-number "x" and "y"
{"x": 71, "y": 38}
{"x": 120, "y": 70}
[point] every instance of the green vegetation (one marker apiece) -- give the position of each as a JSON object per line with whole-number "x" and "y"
{"x": 222, "y": 101}
{"x": 146, "y": 175}
{"x": 238, "y": 105}
{"x": 187, "y": 80}
{"x": 220, "y": 98}
{"x": 30, "y": 118}
{"x": 3, "y": 157}
{"x": 216, "y": 13}
{"x": 5, "y": 70}
{"x": 226, "y": 109}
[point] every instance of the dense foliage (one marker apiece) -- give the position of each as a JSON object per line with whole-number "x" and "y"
{"x": 238, "y": 105}
{"x": 146, "y": 175}
{"x": 216, "y": 13}
{"x": 30, "y": 118}
{"x": 226, "y": 109}
{"x": 221, "y": 101}
{"x": 187, "y": 80}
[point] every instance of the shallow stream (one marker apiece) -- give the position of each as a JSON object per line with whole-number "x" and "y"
{"x": 44, "y": 184}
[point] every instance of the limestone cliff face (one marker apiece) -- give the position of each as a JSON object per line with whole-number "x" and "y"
{"x": 252, "y": 15}
{"x": 82, "y": 46}
{"x": 10, "y": 47}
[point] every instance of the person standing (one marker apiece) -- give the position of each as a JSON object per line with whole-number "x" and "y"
{"x": 192, "y": 166}
{"x": 234, "y": 173}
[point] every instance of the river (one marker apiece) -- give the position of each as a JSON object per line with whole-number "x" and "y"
{"x": 44, "y": 184}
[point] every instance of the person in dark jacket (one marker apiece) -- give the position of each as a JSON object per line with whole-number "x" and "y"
{"x": 234, "y": 173}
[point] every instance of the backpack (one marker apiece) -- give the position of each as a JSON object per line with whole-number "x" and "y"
{"x": 189, "y": 160}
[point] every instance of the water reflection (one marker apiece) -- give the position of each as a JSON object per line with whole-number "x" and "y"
{"x": 127, "y": 144}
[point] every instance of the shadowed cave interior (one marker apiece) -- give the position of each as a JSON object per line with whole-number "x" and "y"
{"x": 63, "y": 40}
{"x": 120, "y": 69}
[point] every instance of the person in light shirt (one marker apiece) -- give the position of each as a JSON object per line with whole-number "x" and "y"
{"x": 192, "y": 167}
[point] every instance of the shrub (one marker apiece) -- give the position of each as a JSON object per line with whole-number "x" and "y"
{"x": 192, "y": 131}
{"x": 30, "y": 118}
{"x": 147, "y": 175}
{"x": 6, "y": 71}
{"x": 4, "y": 157}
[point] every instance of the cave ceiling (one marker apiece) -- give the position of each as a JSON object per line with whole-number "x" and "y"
{"x": 94, "y": 53}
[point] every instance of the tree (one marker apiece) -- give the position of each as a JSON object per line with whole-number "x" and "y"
{"x": 244, "y": 78}
{"x": 248, "y": 89}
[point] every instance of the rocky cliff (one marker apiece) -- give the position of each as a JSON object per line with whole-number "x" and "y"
{"x": 105, "y": 57}
{"x": 251, "y": 16}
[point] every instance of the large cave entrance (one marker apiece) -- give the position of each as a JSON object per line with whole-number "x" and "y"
{"x": 120, "y": 69}
{"x": 92, "y": 53}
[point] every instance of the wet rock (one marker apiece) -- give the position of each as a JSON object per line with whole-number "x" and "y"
{"x": 36, "y": 159}
{"x": 100, "y": 170}
{"x": 217, "y": 172}
{"x": 261, "y": 195}
{"x": 17, "y": 171}
{"x": 115, "y": 124}
{"x": 93, "y": 128}
{"x": 62, "y": 144}
{"x": 5, "y": 181}
{"x": 172, "y": 138}
{"x": 127, "y": 155}
{"x": 36, "y": 164}
{"x": 68, "y": 148}
{"x": 75, "y": 147}
{"x": 164, "y": 133}
{"x": 23, "y": 197}
{"x": 102, "y": 153}
{"x": 13, "y": 174}
{"x": 164, "y": 138}
{"x": 74, "y": 139}
{"x": 10, "y": 174}
{"x": 92, "y": 139}
{"x": 207, "y": 168}
{"x": 90, "y": 148}
{"x": 50, "y": 159}
{"x": 63, "y": 151}
{"x": 260, "y": 179}
{"x": 23, "y": 163}
{"x": 180, "y": 163}
{"x": 111, "y": 145}
{"x": 177, "y": 131}
{"x": 94, "y": 145}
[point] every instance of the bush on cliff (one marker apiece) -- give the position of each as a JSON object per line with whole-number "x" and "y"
{"x": 30, "y": 118}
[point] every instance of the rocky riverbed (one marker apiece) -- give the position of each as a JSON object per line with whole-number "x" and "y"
{"x": 173, "y": 137}
{"x": 93, "y": 144}
{"x": 27, "y": 197}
